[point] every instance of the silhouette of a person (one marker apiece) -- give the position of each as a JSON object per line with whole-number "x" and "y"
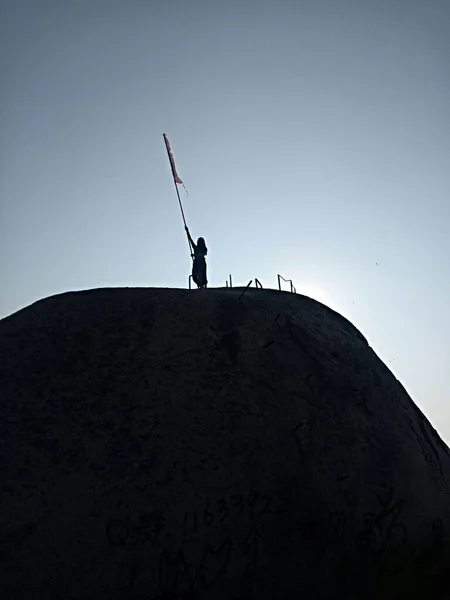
{"x": 199, "y": 262}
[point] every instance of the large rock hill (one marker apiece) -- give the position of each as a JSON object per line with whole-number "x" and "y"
{"x": 184, "y": 445}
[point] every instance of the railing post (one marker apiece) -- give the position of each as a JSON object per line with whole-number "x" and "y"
{"x": 293, "y": 290}
{"x": 246, "y": 288}
{"x": 231, "y": 283}
{"x": 190, "y": 280}
{"x": 226, "y": 283}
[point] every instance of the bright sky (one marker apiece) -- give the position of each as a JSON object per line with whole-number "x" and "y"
{"x": 313, "y": 137}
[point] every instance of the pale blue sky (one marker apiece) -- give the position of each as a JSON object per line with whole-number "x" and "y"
{"x": 313, "y": 137}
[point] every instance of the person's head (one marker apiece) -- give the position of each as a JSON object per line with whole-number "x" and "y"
{"x": 201, "y": 244}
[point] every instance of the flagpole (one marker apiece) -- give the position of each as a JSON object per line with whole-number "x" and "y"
{"x": 182, "y": 214}
{"x": 177, "y": 191}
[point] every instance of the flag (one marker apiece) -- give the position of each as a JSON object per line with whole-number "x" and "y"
{"x": 172, "y": 162}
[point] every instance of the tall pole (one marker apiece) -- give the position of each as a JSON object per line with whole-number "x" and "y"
{"x": 182, "y": 214}
{"x": 175, "y": 178}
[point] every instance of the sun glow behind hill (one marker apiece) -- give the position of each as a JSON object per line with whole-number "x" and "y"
{"x": 318, "y": 292}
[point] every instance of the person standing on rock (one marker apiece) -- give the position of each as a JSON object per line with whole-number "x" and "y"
{"x": 199, "y": 262}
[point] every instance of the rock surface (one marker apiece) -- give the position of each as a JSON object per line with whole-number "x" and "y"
{"x": 174, "y": 444}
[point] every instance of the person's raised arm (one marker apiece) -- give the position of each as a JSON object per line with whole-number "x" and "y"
{"x": 189, "y": 236}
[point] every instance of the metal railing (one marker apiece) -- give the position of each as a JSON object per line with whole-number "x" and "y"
{"x": 229, "y": 283}
{"x": 293, "y": 290}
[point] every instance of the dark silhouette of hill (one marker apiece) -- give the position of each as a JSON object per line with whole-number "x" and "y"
{"x": 174, "y": 444}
